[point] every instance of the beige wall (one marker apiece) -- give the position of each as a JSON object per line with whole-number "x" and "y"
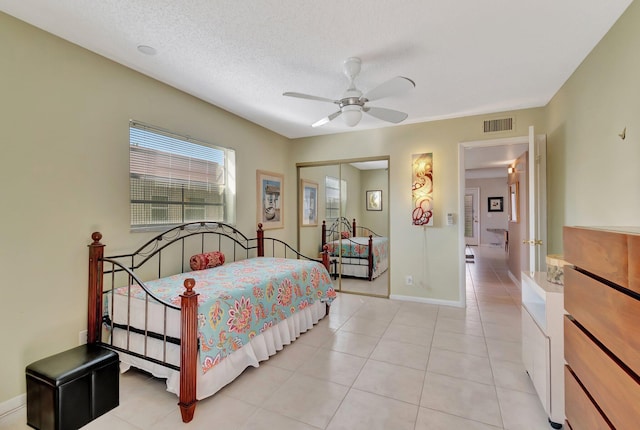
{"x": 593, "y": 175}
{"x": 64, "y": 120}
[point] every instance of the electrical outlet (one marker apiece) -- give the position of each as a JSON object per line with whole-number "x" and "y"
{"x": 408, "y": 280}
{"x": 82, "y": 337}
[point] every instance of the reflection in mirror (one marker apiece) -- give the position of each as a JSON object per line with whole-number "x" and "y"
{"x": 356, "y": 232}
{"x": 327, "y": 202}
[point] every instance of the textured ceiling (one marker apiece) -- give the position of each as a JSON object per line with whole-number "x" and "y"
{"x": 466, "y": 56}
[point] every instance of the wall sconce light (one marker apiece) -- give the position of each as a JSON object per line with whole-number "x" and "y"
{"x": 510, "y": 170}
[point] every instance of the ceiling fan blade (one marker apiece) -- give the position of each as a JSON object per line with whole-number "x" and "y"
{"x": 385, "y": 114}
{"x": 392, "y": 87}
{"x": 309, "y": 97}
{"x": 326, "y": 119}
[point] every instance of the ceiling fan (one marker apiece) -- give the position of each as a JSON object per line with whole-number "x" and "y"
{"x": 353, "y": 102}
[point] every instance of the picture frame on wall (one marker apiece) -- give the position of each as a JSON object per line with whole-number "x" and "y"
{"x": 308, "y": 203}
{"x": 422, "y": 189}
{"x": 270, "y": 198}
{"x": 495, "y": 204}
{"x": 374, "y": 200}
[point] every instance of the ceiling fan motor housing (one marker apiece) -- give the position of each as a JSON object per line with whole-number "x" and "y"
{"x": 351, "y": 101}
{"x": 352, "y": 67}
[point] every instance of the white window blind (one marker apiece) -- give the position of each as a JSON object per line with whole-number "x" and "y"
{"x": 335, "y": 197}
{"x": 175, "y": 179}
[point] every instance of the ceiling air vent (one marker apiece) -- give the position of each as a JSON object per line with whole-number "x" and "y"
{"x": 495, "y": 125}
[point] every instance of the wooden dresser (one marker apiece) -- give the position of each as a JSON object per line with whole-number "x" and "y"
{"x": 602, "y": 343}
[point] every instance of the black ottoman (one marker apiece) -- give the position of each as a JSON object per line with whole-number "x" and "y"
{"x": 68, "y": 390}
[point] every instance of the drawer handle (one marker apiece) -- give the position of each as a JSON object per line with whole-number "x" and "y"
{"x": 532, "y": 241}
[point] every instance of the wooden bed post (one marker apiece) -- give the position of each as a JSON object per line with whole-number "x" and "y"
{"x": 325, "y": 257}
{"x": 370, "y": 254}
{"x": 94, "y": 317}
{"x": 188, "y": 350}
{"x": 260, "y": 240}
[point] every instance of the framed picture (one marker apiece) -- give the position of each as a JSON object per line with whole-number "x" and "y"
{"x": 309, "y": 203}
{"x": 269, "y": 192}
{"x": 422, "y": 189}
{"x": 374, "y": 200}
{"x": 495, "y": 204}
{"x": 514, "y": 199}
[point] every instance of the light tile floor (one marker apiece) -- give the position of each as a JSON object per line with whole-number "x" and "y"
{"x": 371, "y": 364}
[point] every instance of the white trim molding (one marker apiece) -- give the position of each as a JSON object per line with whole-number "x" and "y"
{"x": 9, "y": 406}
{"x": 457, "y": 304}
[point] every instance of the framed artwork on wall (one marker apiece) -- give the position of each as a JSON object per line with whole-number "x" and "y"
{"x": 309, "y": 203}
{"x": 495, "y": 204}
{"x": 269, "y": 192}
{"x": 374, "y": 200}
{"x": 422, "y": 189}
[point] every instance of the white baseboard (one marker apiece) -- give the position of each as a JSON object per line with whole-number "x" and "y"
{"x": 457, "y": 304}
{"x": 11, "y": 405}
{"x": 514, "y": 279}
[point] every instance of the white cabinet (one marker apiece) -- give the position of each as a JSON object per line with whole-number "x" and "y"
{"x": 543, "y": 340}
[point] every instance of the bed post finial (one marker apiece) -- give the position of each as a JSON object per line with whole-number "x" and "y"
{"x": 94, "y": 316}
{"x": 188, "y": 350}
{"x": 324, "y": 233}
{"x": 354, "y": 231}
{"x": 260, "y": 240}
{"x": 189, "y": 284}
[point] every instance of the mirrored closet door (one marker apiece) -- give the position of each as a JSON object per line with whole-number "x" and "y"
{"x": 344, "y": 204}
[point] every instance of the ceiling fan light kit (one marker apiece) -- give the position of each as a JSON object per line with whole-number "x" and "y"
{"x": 353, "y": 102}
{"x": 352, "y": 114}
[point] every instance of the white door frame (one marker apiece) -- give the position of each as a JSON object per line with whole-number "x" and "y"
{"x": 462, "y": 286}
{"x": 475, "y": 221}
{"x": 537, "y": 184}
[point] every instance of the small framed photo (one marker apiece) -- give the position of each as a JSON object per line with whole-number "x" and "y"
{"x": 270, "y": 187}
{"x": 495, "y": 204}
{"x": 309, "y": 203}
{"x": 374, "y": 200}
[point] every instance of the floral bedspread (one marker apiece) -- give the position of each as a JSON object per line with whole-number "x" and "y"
{"x": 359, "y": 247}
{"x": 242, "y": 299}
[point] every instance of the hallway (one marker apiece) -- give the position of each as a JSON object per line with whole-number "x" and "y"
{"x": 495, "y": 299}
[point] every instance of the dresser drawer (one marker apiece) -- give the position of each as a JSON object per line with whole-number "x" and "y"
{"x": 603, "y": 253}
{"x": 613, "y": 390}
{"x": 580, "y": 411}
{"x": 634, "y": 263}
{"x": 611, "y": 316}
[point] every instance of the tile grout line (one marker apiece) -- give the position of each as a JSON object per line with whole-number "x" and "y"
{"x": 495, "y": 388}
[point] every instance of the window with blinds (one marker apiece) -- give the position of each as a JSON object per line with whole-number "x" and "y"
{"x": 335, "y": 197}
{"x": 175, "y": 179}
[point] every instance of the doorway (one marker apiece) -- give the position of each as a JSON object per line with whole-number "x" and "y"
{"x": 488, "y": 159}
